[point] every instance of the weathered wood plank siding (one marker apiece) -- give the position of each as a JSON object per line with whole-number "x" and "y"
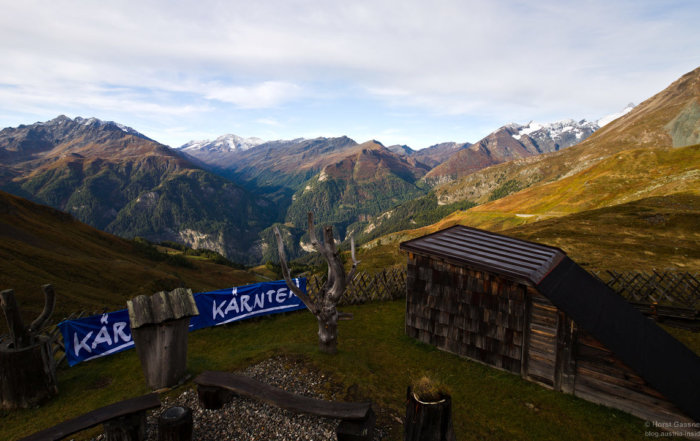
{"x": 602, "y": 378}
{"x": 541, "y": 350}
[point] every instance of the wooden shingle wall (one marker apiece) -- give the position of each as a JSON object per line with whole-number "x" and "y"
{"x": 470, "y": 313}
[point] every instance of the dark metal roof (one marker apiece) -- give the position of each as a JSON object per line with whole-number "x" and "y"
{"x": 513, "y": 258}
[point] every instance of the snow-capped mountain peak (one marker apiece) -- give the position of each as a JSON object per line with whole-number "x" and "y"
{"x": 96, "y": 122}
{"x": 556, "y": 130}
{"x": 224, "y": 143}
{"x": 613, "y": 116}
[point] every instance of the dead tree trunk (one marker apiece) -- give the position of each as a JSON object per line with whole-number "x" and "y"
{"x": 27, "y": 366}
{"x": 324, "y": 306}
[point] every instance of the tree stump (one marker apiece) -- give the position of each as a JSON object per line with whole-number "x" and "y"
{"x": 27, "y": 366}
{"x": 428, "y": 421}
{"x": 27, "y": 375}
{"x": 130, "y": 427}
{"x": 175, "y": 424}
{"x": 159, "y": 326}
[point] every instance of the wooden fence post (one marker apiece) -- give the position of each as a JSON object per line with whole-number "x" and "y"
{"x": 159, "y": 325}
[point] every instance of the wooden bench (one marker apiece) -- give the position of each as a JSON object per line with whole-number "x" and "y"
{"x": 357, "y": 419}
{"x": 126, "y": 417}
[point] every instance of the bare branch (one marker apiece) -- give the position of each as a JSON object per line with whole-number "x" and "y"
{"x": 355, "y": 262}
{"x": 49, "y": 305}
{"x": 287, "y": 278}
{"x": 312, "y": 233}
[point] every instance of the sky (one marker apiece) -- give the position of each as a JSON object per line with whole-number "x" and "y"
{"x": 401, "y": 72}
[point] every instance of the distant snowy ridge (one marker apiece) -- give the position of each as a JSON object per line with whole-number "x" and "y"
{"x": 224, "y": 143}
{"x": 555, "y": 131}
{"x": 91, "y": 122}
{"x": 612, "y": 117}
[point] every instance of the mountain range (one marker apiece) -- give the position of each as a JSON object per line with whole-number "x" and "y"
{"x": 227, "y": 194}
{"x": 122, "y": 182}
{"x": 643, "y": 166}
{"x": 510, "y": 142}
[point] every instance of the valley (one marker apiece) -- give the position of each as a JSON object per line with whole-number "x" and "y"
{"x": 227, "y": 194}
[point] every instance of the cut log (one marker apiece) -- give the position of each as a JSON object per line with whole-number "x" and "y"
{"x": 175, "y": 424}
{"x": 428, "y": 421}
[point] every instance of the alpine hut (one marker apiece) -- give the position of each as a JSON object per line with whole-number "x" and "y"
{"x": 528, "y": 309}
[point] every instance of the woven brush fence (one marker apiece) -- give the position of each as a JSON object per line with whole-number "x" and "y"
{"x": 388, "y": 284}
{"x": 669, "y": 288}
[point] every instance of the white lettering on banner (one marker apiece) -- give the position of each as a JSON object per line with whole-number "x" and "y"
{"x": 118, "y": 329}
{"x": 217, "y": 310}
{"x": 77, "y": 344}
{"x": 280, "y": 294}
{"x": 259, "y": 301}
{"x": 118, "y": 332}
{"x": 102, "y": 337}
{"x": 241, "y": 304}
{"x": 244, "y": 303}
{"x": 232, "y": 306}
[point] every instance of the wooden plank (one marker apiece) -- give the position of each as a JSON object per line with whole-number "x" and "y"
{"x": 97, "y": 416}
{"x": 525, "y": 330}
{"x": 565, "y": 371}
{"x": 636, "y": 404}
{"x": 635, "y": 386}
{"x": 542, "y": 330}
{"x": 252, "y": 388}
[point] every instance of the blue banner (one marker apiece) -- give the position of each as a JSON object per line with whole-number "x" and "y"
{"x": 99, "y": 335}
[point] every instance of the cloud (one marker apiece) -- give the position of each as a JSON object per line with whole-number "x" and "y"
{"x": 259, "y": 96}
{"x": 504, "y": 59}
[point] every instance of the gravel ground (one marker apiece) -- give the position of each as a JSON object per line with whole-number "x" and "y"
{"x": 245, "y": 420}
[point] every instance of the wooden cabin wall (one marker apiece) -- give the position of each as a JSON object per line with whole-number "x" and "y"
{"x": 511, "y": 326}
{"x": 602, "y": 378}
{"x": 470, "y": 313}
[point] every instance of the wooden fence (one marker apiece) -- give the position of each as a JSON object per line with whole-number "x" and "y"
{"x": 388, "y": 284}
{"x": 669, "y": 288}
{"x": 670, "y": 297}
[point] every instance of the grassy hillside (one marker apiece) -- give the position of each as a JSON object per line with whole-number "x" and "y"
{"x": 661, "y": 232}
{"x": 665, "y": 121}
{"x": 89, "y": 269}
{"x": 658, "y": 232}
{"x": 627, "y": 176}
